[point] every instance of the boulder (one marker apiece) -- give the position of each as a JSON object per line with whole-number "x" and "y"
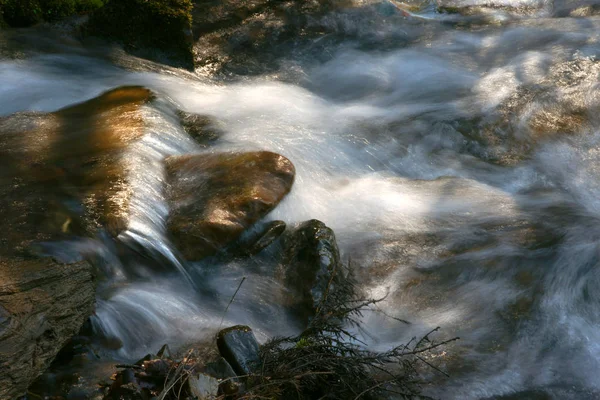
{"x": 61, "y": 175}
{"x": 42, "y": 305}
{"x": 311, "y": 266}
{"x": 135, "y": 24}
{"x": 214, "y": 198}
{"x": 77, "y": 153}
{"x": 239, "y": 347}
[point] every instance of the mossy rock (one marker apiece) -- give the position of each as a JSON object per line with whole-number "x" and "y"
{"x": 144, "y": 26}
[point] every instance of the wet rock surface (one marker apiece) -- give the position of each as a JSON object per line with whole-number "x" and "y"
{"x": 311, "y": 266}
{"x": 204, "y": 129}
{"x": 239, "y": 347}
{"x": 251, "y": 36}
{"x": 72, "y": 160}
{"x": 215, "y": 197}
{"x": 258, "y": 238}
{"x": 61, "y": 177}
{"x": 43, "y": 303}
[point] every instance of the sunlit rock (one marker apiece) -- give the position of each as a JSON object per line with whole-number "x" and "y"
{"x": 77, "y": 153}
{"x": 249, "y": 36}
{"x": 215, "y": 197}
{"x": 564, "y": 102}
{"x": 61, "y": 174}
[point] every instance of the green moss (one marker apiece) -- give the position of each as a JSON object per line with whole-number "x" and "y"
{"x": 157, "y": 24}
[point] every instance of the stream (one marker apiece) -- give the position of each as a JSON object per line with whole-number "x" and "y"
{"x": 455, "y": 158}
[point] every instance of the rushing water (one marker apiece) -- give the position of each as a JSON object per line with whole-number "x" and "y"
{"x": 494, "y": 242}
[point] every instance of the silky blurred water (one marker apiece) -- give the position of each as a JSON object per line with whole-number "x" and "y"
{"x": 503, "y": 254}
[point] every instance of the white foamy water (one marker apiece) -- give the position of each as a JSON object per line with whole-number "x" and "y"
{"x": 504, "y": 255}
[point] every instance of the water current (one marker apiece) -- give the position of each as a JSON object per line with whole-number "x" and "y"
{"x": 457, "y": 161}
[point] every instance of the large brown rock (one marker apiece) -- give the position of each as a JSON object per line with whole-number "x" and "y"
{"x": 61, "y": 174}
{"x": 215, "y": 197}
{"x": 77, "y": 153}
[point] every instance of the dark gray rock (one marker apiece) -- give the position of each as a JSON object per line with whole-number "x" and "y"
{"x": 259, "y": 238}
{"x": 222, "y": 370}
{"x": 311, "y": 265}
{"x": 239, "y": 347}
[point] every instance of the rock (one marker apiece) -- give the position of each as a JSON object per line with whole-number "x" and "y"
{"x": 61, "y": 174}
{"x": 259, "y": 238}
{"x": 249, "y": 36}
{"x": 239, "y": 347}
{"x": 311, "y": 265}
{"x": 214, "y": 198}
{"x": 203, "y": 386}
{"x": 42, "y": 305}
{"x": 77, "y": 154}
{"x": 222, "y": 370}
{"x": 203, "y": 128}
{"x": 480, "y": 7}
{"x": 134, "y": 23}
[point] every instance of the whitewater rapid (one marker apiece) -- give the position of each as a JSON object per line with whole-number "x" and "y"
{"x": 505, "y": 256}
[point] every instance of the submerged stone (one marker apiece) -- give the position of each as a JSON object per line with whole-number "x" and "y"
{"x": 563, "y": 102}
{"x": 239, "y": 347}
{"x": 214, "y": 198}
